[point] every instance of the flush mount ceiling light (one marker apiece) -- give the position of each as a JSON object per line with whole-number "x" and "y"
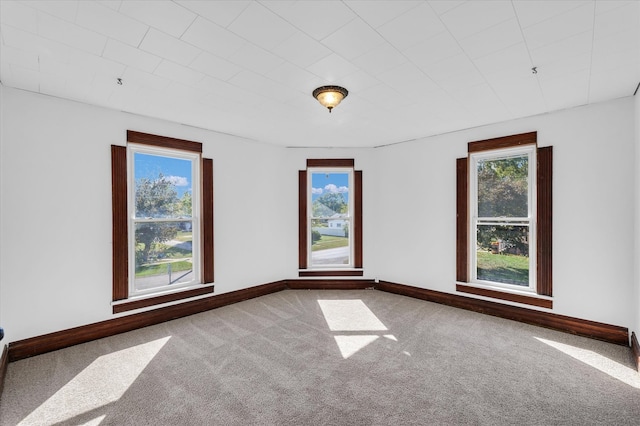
{"x": 330, "y": 96}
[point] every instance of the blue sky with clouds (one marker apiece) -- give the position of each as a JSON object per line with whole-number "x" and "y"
{"x": 177, "y": 170}
{"x": 321, "y": 183}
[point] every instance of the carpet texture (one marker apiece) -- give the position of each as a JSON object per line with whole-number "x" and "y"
{"x": 300, "y": 357}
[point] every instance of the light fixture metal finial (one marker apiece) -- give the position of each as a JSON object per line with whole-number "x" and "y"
{"x": 330, "y": 96}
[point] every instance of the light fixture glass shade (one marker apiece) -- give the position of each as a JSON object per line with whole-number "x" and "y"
{"x": 330, "y": 96}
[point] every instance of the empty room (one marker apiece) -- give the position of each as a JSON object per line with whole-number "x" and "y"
{"x": 339, "y": 212}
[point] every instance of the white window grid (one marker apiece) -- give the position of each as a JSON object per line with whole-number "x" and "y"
{"x": 348, "y": 219}
{"x": 195, "y": 159}
{"x": 529, "y": 221}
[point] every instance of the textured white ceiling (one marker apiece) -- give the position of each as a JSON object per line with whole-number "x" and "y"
{"x": 412, "y": 68}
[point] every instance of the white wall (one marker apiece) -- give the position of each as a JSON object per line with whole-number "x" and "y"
{"x": 55, "y": 170}
{"x": 55, "y": 209}
{"x": 593, "y": 215}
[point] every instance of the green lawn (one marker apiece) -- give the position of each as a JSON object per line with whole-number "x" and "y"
{"x": 184, "y": 236}
{"x": 162, "y": 268}
{"x": 164, "y": 251}
{"x": 173, "y": 252}
{"x": 329, "y": 242}
{"x": 503, "y": 268}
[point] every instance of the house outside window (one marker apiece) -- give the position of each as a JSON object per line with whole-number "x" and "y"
{"x": 331, "y": 210}
{"x": 330, "y": 218}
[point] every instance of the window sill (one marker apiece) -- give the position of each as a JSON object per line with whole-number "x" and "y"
{"x": 511, "y": 296}
{"x": 331, "y": 273}
{"x": 131, "y": 304}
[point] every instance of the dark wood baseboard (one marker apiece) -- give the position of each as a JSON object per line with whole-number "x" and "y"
{"x": 4, "y": 362}
{"x": 65, "y": 338}
{"x": 334, "y": 273}
{"x": 86, "y": 333}
{"x": 330, "y": 284}
{"x": 635, "y": 347}
{"x": 581, "y": 327}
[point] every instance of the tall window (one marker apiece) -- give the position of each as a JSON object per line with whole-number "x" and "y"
{"x": 162, "y": 193}
{"x": 164, "y": 246}
{"x": 504, "y": 220}
{"x": 330, "y": 215}
{"x": 331, "y": 210}
{"x": 502, "y": 217}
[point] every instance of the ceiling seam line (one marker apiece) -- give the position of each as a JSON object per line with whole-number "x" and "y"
{"x": 526, "y": 45}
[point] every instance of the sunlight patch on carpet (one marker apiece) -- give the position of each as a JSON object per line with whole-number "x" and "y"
{"x": 352, "y": 315}
{"x": 614, "y": 369}
{"x": 104, "y": 381}
{"x": 94, "y": 422}
{"x": 349, "y": 345}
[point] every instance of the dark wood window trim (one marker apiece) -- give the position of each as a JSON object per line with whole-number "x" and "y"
{"x": 357, "y": 219}
{"x": 462, "y": 220}
{"x": 163, "y": 141}
{"x": 503, "y": 295}
{"x": 544, "y": 213}
{"x": 157, "y": 300}
{"x": 357, "y": 212}
{"x": 120, "y": 247}
{"x": 544, "y": 218}
{"x": 206, "y": 225}
{"x": 120, "y": 235}
{"x": 302, "y": 222}
{"x": 330, "y": 162}
{"x": 503, "y": 142}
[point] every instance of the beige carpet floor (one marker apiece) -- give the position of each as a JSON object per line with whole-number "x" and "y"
{"x": 302, "y": 357}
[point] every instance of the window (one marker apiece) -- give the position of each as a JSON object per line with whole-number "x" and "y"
{"x": 164, "y": 192}
{"x": 504, "y": 220}
{"x": 502, "y": 237}
{"x": 331, "y": 209}
{"x": 330, "y": 230}
{"x": 162, "y": 221}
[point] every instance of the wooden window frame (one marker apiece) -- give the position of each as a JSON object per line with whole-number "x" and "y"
{"x": 120, "y": 246}
{"x": 544, "y": 225}
{"x": 304, "y": 270}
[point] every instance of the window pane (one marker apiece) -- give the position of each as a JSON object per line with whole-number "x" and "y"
{"x": 163, "y": 186}
{"x": 330, "y": 195}
{"x": 330, "y": 235}
{"x": 164, "y": 254}
{"x": 503, "y": 254}
{"x": 503, "y": 187}
{"x": 330, "y": 242}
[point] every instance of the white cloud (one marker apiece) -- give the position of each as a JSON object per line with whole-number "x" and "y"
{"x": 336, "y": 189}
{"x": 316, "y": 190}
{"x": 178, "y": 180}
